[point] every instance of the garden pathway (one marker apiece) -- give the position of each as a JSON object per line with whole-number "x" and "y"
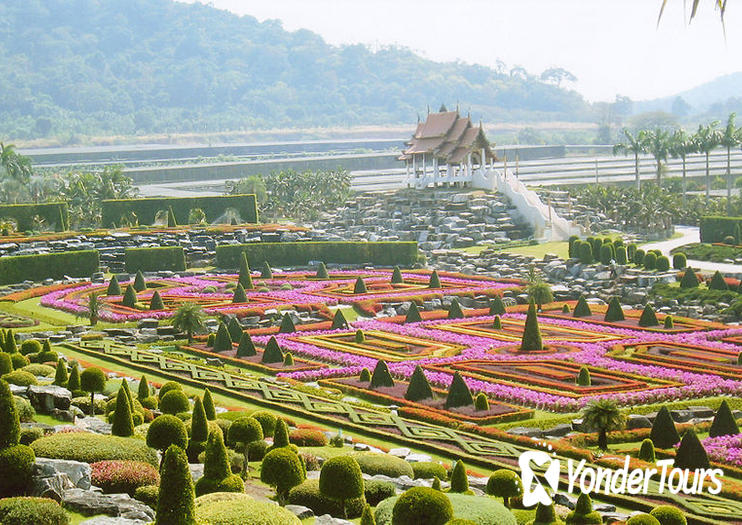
{"x": 690, "y": 235}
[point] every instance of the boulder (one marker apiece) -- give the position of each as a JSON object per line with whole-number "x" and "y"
{"x": 76, "y": 471}
{"x": 46, "y": 398}
{"x": 107, "y": 520}
{"x": 52, "y": 487}
{"x": 326, "y": 519}
{"x": 197, "y": 471}
{"x": 300, "y": 512}
{"x": 635, "y": 421}
{"x": 90, "y": 503}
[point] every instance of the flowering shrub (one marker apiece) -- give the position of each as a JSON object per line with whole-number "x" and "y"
{"x": 725, "y": 449}
{"x": 115, "y": 477}
{"x": 304, "y": 437}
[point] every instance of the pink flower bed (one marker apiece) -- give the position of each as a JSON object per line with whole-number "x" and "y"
{"x": 725, "y": 449}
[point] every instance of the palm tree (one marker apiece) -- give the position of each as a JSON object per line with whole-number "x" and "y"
{"x": 681, "y": 145}
{"x": 658, "y": 144}
{"x": 707, "y": 138}
{"x": 636, "y": 145}
{"x": 602, "y": 416}
{"x": 189, "y": 318}
{"x": 15, "y": 165}
{"x": 731, "y": 137}
{"x": 537, "y": 289}
{"x": 721, "y": 5}
{"x": 94, "y": 305}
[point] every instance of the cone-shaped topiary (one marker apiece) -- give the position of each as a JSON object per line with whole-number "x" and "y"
{"x": 531, "y": 340}
{"x": 481, "y": 402}
{"x": 381, "y": 376}
{"x": 397, "y": 276}
{"x": 265, "y": 271}
{"x": 691, "y": 454}
{"x": 545, "y": 515}
{"x": 360, "y": 286}
{"x": 199, "y": 431}
{"x": 360, "y": 337}
{"x": 171, "y": 222}
{"x": 583, "y": 378}
{"x": 614, "y": 312}
{"x": 435, "y": 281}
{"x": 669, "y": 322}
{"x": 245, "y": 279}
{"x": 565, "y": 309}
{"x": 367, "y": 516}
{"x": 60, "y": 376}
{"x": 123, "y": 424}
{"x": 281, "y": 434}
{"x": 130, "y": 297}
{"x": 341, "y": 479}
{"x": 272, "y": 352}
{"x": 459, "y": 479}
{"x": 73, "y": 384}
{"x": 717, "y": 282}
{"x": 436, "y": 485}
{"x": 223, "y": 340}
{"x": 339, "y": 320}
{"x": 209, "y": 408}
{"x": 210, "y": 340}
{"x": 669, "y": 515}
{"x": 218, "y": 475}
{"x": 455, "y": 311}
{"x": 288, "y": 359}
{"x": 497, "y": 323}
{"x": 175, "y": 501}
{"x": 10, "y": 429}
{"x": 322, "y": 271}
{"x": 690, "y": 279}
{"x": 287, "y": 325}
{"x": 283, "y": 470}
{"x": 724, "y": 423}
{"x": 156, "y": 302}
{"x": 246, "y": 347}
{"x": 584, "y": 513}
{"x": 413, "y": 314}
{"x": 239, "y": 295}
{"x": 459, "y": 394}
{"x": 505, "y": 484}
{"x": 582, "y": 309}
{"x": 646, "y": 451}
{"x": 235, "y": 328}
{"x": 6, "y": 364}
{"x": 139, "y": 283}
{"x": 10, "y": 345}
{"x": 497, "y": 307}
{"x": 242, "y": 432}
{"x": 663, "y": 433}
{"x": 365, "y": 375}
{"x": 419, "y": 387}
{"x": 113, "y": 287}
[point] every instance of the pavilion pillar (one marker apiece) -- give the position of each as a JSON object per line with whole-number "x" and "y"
{"x": 435, "y": 171}
{"x": 407, "y": 171}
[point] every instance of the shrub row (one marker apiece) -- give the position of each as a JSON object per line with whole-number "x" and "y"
{"x": 91, "y": 448}
{"x": 55, "y": 213}
{"x": 18, "y": 268}
{"x": 715, "y": 228}
{"x": 300, "y": 253}
{"x": 146, "y": 209}
{"x": 154, "y": 259}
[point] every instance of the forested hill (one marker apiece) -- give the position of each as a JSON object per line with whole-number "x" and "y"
{"x": 144, "y": 66}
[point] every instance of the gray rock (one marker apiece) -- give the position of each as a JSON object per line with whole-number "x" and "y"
{"x": 77, "y": 471}
{"x": 635, "y": 421}
{"x": 197, "y": 471}
{"x": 118, "y": 505}
{"x": 52, "y": 487}
{"x": 107, "y": 520}
{"x": 418, "y": 458}
{"x": 526, "y": 431}
{"x": 559, "y": 430}
{"x": 326, "y": 519}
{"x": 300, "y": 512}
{"x": 604, "y": 507}
{"x": 400, "y": 452}
{"x": 46, "y": 398}
{"x": 565, "y": 500}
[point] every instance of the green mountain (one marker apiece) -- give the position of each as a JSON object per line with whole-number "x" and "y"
{"x": 99, "y": 67}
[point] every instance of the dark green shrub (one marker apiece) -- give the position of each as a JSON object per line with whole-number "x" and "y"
{"x": 167, "y": 387}
{"x": 156, "y": 302}
{"x": 459, "y": 394}
{"x": 6, "y": 365}
{"x": 505, "y": 484}
{"x": 481, "y": 402}
{"x": 31, "y": 434}
{"x": 209, "y": 408}
{"x": 246, "y": 347}
{"x": 497, "y": 323}
{"x": 572, "y": 243}
{"x": 413, "y": 314}
{"x": 218, "y": 475}
{"x": 724, "y": 423}
{"x": 267, "y": 421}
{"x": 646, "y": 451}
{"x": 729, "y": 239}
{"x": 650, "y": 261}
{"x": 582, "y": 309}
{"x": 322, "y": 271}
{"x": 614, "y": 312}
{"x": 243, "y": 432}
{"x": 583, "y": 378}
{"x": 30, "y": 346}
{"x": 669, "y": 324}
{"x": 638, "y": 258}
{"x": 341, "y": 479}
{"x": 24, "y": 410}
{"x": 223, "y": 340}
{"x": 245, "y": 278}
{"x": 643, "y": 519}
{"x": 123, "y": 424}
{"x": 281, "y": 434}
{"x": 365, "y": 375}
{"x": 60, "y": 376}
{"x": 585, "y": 252}
{"x": 381, "y": 376}
{"x": 147, "y": 495}
{"x": 606, "y": 254}
{"x": 621, "y": 255}
{"x": 175, "y": 500}
{"x": 648, "y": 317}
{"x": 272, "y": 352}
{"x": 266, "y": 272}
{"x": 584, "y": 513}
{"x": 663, "y": 263}
{"x": 139, "y": 283}
{"x": 663, "y": 433}
{"x": 397, "y": 276}
{"x": 428, "y": 470}
{"x": 376, "y": 491}
{"x": 237, "y": 509}
{"x": 373, "y": 463}
{"x": 339, "y": 321}
{"x": 434, "y": 281}
{"x": 174, "y": 402}
{"x": 691, "y": 454}
{"x": 531, "y": 340}
{"x": 40, "y": 511}
{"x": 307, "y": 494}
{"x": 669, "y": 515}
{"x": 717, "y": 282}
{"x": 367, "y": 517}
{"x": 130, "y": 297}
{"x": 459, "y": 479}
{"x": 690, "y": 279}
{"x": 679, "y": 261}
{"x": 283, "y": 470}
{"x": 113, "y": 287}
{"x": 360, "y": 286}
{"x": 455, "y": 311}
{"x": 167, "y": 430}
{"x": 497, "y": 307}
{"x": 419, "y": 387}
{"x": 19, "y": 360}
{"x": 545, "y": 515}
{"x": 287, "y": 325}
{"x": 422, "y": 505}
{"x": 16, "y": 465}
{"x": 20, "y": 378}
{"x": 73, "y": 384}
{"x": 360, "y": 337}
{"x": 18, "y": 268}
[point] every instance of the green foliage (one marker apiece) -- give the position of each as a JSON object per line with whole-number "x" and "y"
{"x": 606, "y": 254}
{"x": 167, "y": 430}
{"x": 497, "y": 307}
{"x": 585, "y": 253}
{"x": 583, "y": 378}
{"x": 642, "y": 519}
{"x": 239, "y": 295}
{"x": 10, "y": 344}
{"x": 123, "y": 424}
{"x": 422, "y": 505}
{"x": 497, "y": 323}
{"x": 367, "y": 518}
{"x": 668, "y": 324}
{"x": 648, "y": 317}
{"x": 381, "y": 376}
{"x": 459, "y": 479}
{"x": 223, "y": 341}
{"x": 25, "y": 214}
{"x": 266, "y": 272}
{"x": 246, "y": 347}
{"x": 455, "y": 311}
{"x": 199, "y": 423}
{"x": 18, "y": 268}
{"x": 9, "y": 423}
{"x": 603, "y": 416}
{"x": 715, "y": 228}
{"x": 373, "y": 463}
{"x": 691, "y": 454}
{"x": 154, "y": 259}
{"x": 218, "y": 475}
{"x": 93, "y": 380}
{"x": 572, "y": 243}
{"x": 481, "y": 402}
{"x": 717, "y": 282}
{"x": 171, "y": 220}
{"x": 244, "y": 431}
{"x": 365, "y": 375}
{"x": 237, "y": 509}
{"x": 650, "y": 261}
{"x": 281, "y": 434}
{"x": 724, "y": 423}
{"x": 20, "y": 378}
{"x": 156, "y": 302}
{"x": 663, "y": 433}
{"x": 360, "y": 286}
{"x": 459, "y": 394}
{"x": 614, "y": 312}
{"x": 189, "y": 318}
{"x": 341, "y": 479}
{"x": 16, "y": 464}
{"x": 482, "y": 511}
{"x": 272, "y": 352}
{"x": 267, "y": 421}
{"x": 30, "y": 346}
{"x": 167, "y": 387}
{"x": 679, "y": 261}
{"x": 288, "y": 359}
{"x": 308, "y": 495}
{"x": 419, "y": 387}
{"x": 397, "y": 276}
{"x": 283, "y": 470}
{"x": 139, "y": 282}
{"x": 428, "y": 470}
{"x": 322, "y": 271}
{"x": 582, "y": 309}
{"x": 669, "y": 515}
{"x": 287, "y": 325}
{"x": 584, "y": 513}
{"x": 174, "y": 402}
{"x": 19, "y": 361}
{"x": 646, "y": 451}
{"x": 339, "y": 321}
{"x": 25, "y": 510}
{"x": 638, "y": 258}
{"x": 175, "y": 501}
{"x": 89, "y": 448}
{"x": 436, "y": 484}
{"x": 147, "y": 494}
{"x": 73, "y": 384}
{"x": 663, "y": 263}
{"x": 130, "y": 297}
{"x": 435, "y": 281}
{"x": 360, "y": 336}
{"x": 6, "y": 364}
{"x": 545, "y": 515}
{"x": 245, "y": 278}
{"x": 690, "y": 279}
{"x": 531, "y": 340}
{"x": 505, "y": 484}
{"x": 413, "y": 314}
{"x": 630, "y": 251}
{"x": 146, "y": 209}
{"x": 621, "y": 255}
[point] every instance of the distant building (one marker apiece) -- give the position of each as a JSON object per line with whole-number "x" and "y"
{"x": 446, "y": 148}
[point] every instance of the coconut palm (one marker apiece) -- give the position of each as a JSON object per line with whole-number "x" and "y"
{"x": 189, "y": 318}
{"x": 634, "y": 144}
{"x": 731, "y": 137}
{"x": 707, "y": 138}
{"x": 658, "y": 144}
{"x": 681, "y": 145}
{"x": 603, "y": 416}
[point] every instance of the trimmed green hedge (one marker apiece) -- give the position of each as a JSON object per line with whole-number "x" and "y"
{"x": 146, "y": 209}
{"x": 23, "y": 214}
{"x": 221, "y": 508}
{"x": 91, "y": 448}
{"x": 715, "y": 228}
{"x": 480, "y": 510}
{"x": 19, "y": 268}
{"x": 155, "y": 259}
{"x": 300, "y": 253}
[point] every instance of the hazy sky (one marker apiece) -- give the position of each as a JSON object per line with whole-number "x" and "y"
{"x": 612, "y": 46}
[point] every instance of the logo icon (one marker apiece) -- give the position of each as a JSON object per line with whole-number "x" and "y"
{"x": 533, "y": 491}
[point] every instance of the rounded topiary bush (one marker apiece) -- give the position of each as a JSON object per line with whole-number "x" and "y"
{"x": 236, "y": 509}
{"x": 40, "y": 511}
{"x": 482, "y": 511}
{"x": 174, "y": 402}
{"x": 584, "y": 513}
{"x": 505, "y": 484}
{"x": 267, "y": 420}
{"x": 167, "y": 387}
{"x": 643, "y": 519}
{"x": 376, "y": 491}
{"x": 20, "y": 378}
{"x": 308, "y": 495}
{"x": 29, "y": 435}
{"x": 167, "y": 430}
{"x": 422, "y": 505}
{"x": 679, "y": 261}
{"x": 428, "y": 470}
{"x": 19, "y": 360}
{"x": 16, "y": 466}
{"x": 24, "y": 409}
{"x": 282, "y": 469}
{"x": 90, "y": 448}
{"x": 341, "y": 479}
{"x": 39, "y": 370}
{"x": 31, "y": 346}
{"x": 116, "y": 477}
{"x": 373, "y": 463}
{"x": 669, "y": 515}
{"x": 147, "y": 494}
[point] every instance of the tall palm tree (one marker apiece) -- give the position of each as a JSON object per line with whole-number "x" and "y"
{"x": 16, "y": 166}
{"x": 681, "y": 145}
{"x": 189, "y": 318}
{"x": 537, "y": 289}
{"x": 731, "y": 137}
{"x": 602, "y": 416}
{"x": 634, "y": 144}
{"x": 707, "y": 138}
{"x": 658, "y": 144}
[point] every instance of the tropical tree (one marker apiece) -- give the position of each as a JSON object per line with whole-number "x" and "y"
{"x": 602, "y": 416}
{"x": 681, "y": 145}
{"x": 731, "y": 137}
{"x": 537, "y": 289}
{"x": 658, "y": 144}
{"x": 189, "y": 318}
{"x": 707, "y": 138}
{"x": 635, "y": 144}
{"x": 93, "y": 313}
{"x": 14, "y": 165}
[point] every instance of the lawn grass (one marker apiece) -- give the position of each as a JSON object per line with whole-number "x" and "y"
{"x": 558, "y": 248}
